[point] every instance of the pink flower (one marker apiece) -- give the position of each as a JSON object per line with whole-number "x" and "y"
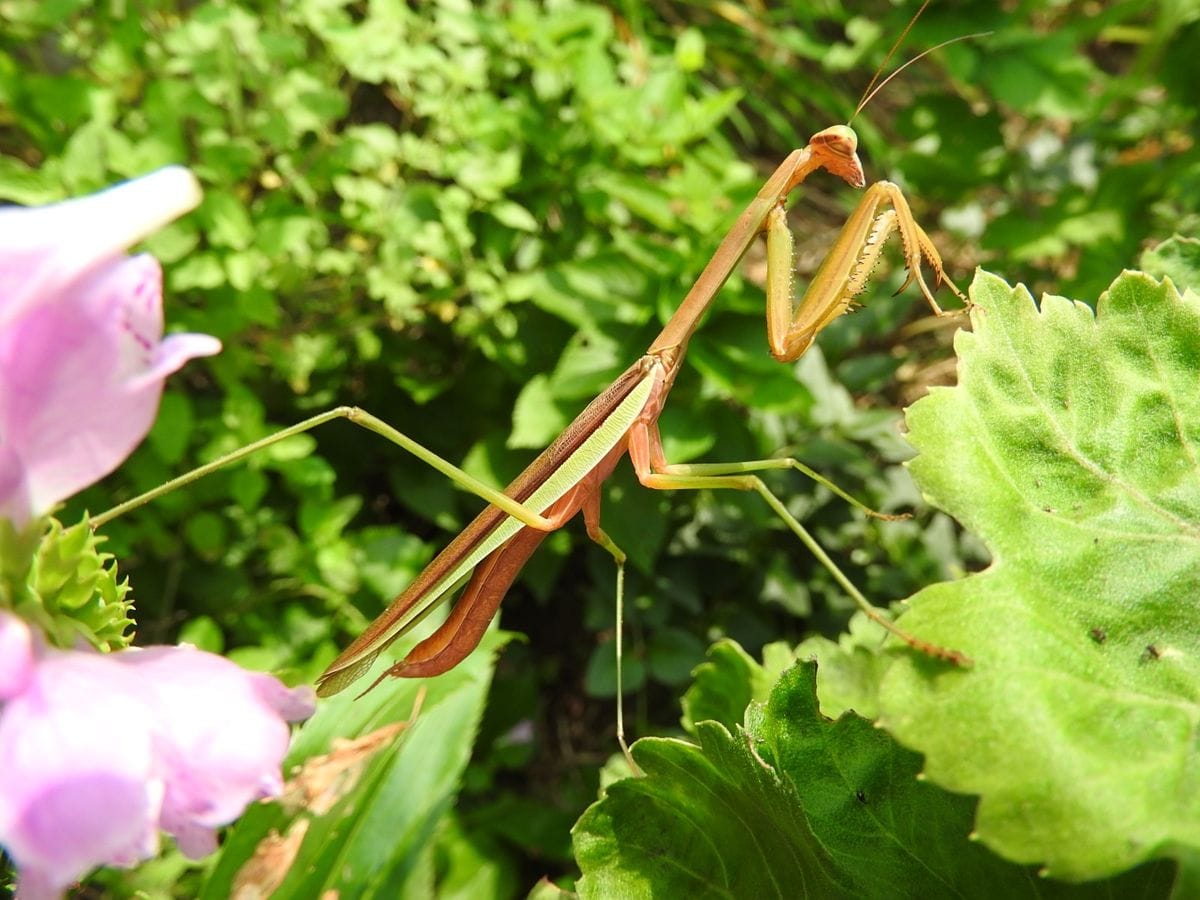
{"x": 218, "y": 724}
{"x": 100, "y": 751}
{"x": 16, "y": 656}
{"x": 82, "y": 357}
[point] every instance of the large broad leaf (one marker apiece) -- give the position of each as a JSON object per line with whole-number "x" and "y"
{"x": 797, "y": 805}
{"x": 707, "y": 819}
{"x": 360, "y": 816}
{"x": 1071, "y": 446}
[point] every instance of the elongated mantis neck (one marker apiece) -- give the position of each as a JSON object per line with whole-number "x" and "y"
{"x": 683, "y": 323}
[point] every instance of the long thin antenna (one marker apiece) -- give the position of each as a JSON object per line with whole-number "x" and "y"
{"x": 896, "y": 46}
{"x": 877, "y": 88}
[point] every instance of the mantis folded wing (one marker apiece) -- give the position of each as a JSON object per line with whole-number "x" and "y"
{"x": 556, "y": 483}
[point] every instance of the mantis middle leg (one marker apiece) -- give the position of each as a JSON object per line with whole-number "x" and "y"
{"x": 653, "y": 471}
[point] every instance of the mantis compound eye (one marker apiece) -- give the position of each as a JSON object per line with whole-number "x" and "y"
{"x": 839, "y": 139}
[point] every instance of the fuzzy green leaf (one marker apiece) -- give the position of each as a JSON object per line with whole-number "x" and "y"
{"x": 1177, "y": 258}
{"x": 1071, "y": 446}
{"x": 850, "y": 668}
{"x": 894, "y": 835}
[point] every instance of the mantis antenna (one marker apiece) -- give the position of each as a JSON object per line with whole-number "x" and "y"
{"x": 866, "y": 94}
{"x": 879, "y": 87}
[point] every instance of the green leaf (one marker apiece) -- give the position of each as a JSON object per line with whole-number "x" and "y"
{"x": 548, "y": 890}
{"x": 602, "y": 288}
{"x": 1071, "y": 446}
{"x": 849, "y": 669}
{"x": 173, "y": 428}
{"x": 203, "y": 632}
{"x": 228, "y": 223}
{"x": 21, "y": 184}
{"x": 537, "y": 419}
{"x": 1041, "y": 75}
{"x": 671, "y": 655}
{"x": 208, "y": 535}
{"x": 325, "y": 520}
{"x": 1177, "y": 258}
{"x": 728, "y": 680}
{"x": 366, "y": 831}
{"x": 514, "y": 215}
{"x": 247, "y": 487}
{"x": 600, "y": 675}
{"x": 689, "y": 50}
{"x": 590, "y": 360}
{"x": 646, "y": 199}
{"x": 895, "y": 835}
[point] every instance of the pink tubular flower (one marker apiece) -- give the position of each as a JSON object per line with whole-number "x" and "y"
{"x": 100, "y": 751}
{"x": 82, "y": 357}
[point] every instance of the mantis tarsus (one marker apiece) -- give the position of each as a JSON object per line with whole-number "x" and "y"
{"x": 566, "y": 478}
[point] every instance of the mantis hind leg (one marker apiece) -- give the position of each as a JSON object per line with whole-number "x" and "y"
{"x": 363, "y": 419}
{"x": 591, "y": 517}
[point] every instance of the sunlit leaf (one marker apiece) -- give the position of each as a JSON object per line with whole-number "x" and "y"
{"x": 1071, "y": 446}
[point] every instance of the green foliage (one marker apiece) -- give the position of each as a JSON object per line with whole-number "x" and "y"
{"x": 729, "y": 681}
{"x": 692, "y": 823}
{"x": 1069, "y": 447}
{"x": 797, "y": 805}
{"x": 1177, "y": 258}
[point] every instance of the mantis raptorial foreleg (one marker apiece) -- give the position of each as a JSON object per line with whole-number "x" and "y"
{"x": 843, "y": 274}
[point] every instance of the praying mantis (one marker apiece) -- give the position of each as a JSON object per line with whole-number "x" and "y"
{"x": 483, "y": 561}
{"x": 566, "y": 478}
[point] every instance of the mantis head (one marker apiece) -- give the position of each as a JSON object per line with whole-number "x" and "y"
{"x": 835, "y": 149}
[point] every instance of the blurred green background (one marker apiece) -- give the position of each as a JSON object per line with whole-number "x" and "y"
{"x": 468, "y": 218}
